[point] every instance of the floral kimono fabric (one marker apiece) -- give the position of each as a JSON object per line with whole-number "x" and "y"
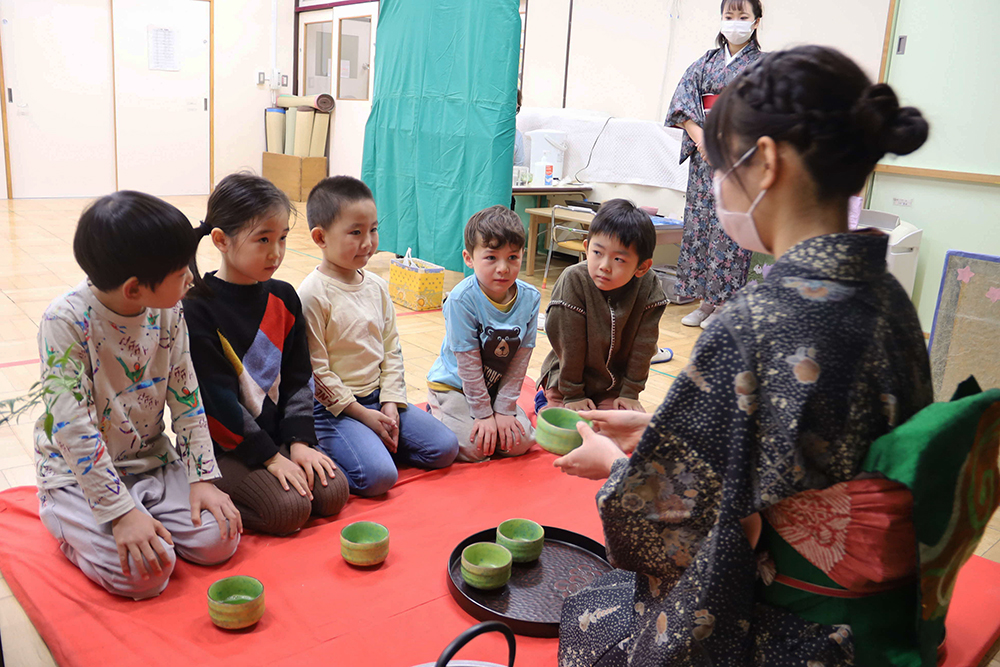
{"x": 711, "y": 266}
{"x": 776, "y": 404}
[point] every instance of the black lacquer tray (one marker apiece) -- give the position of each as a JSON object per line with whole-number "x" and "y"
{"x": 532, "y": 600}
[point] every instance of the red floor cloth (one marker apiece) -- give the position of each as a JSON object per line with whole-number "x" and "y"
{"x": 321, "y": 609}
{"x": 318, "y": 607}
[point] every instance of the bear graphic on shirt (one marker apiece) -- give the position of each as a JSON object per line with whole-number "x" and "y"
{"x": 497, "y": 349}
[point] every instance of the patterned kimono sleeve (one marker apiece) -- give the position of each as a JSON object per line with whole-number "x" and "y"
{"x": 75, "y": 431}
{"x": 686, "y": 104}
{"x": 187, "y": 411}
{"x": 658, "y": 508}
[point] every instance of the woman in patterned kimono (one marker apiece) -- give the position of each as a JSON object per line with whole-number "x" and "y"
{"x": 711, "y": 267}
{"x": 784, "y": 396}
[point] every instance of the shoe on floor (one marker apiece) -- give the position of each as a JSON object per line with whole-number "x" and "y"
{"x": 662, "y": 355}
{"x": 696, "y": 317}
{"x": 708, "y": 320}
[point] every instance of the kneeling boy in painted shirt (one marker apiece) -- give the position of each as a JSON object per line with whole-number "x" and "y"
{"x": 116, "y": 493}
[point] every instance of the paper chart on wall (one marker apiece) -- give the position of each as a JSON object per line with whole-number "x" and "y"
{"x": 162, "y": 49}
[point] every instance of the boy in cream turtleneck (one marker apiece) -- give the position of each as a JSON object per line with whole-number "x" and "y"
{"x": 363, "y": 421}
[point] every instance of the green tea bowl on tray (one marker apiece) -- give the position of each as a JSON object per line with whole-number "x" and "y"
{"x": 556, "y": 430}
{"x": 364, "y": 543}
{"x": 486, "y": 565}
{"x": 236, "y": 602}
{"x": 523, "y": 538}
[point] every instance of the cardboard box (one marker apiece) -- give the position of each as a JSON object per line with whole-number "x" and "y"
{"x": 295, "y": 176}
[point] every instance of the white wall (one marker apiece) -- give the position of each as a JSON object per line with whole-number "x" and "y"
{"x": 545, "y": 53}
{"x": 618, "y": 51}
{"x": 242, "y": 48}
{"x": 626, "y": 56}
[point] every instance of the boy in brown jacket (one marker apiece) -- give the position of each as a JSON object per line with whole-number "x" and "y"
{"x": 604, "y": 316}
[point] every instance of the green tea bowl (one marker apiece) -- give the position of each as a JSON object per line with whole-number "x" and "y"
{"x": 556, "y": 430}
{"x": 523, "y": 538}
{"x": 236, "y": 602}
{"x": 486, "y": 565}
{"x": 364, "y": 543}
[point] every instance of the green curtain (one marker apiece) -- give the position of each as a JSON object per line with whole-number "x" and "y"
{"x": 439, "y": 143}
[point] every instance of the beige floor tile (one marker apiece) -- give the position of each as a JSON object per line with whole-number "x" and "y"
{"x": 993, "y": 553}
{"x": 23, "y": 475}
{"x": 991, "y": 536}
{"x": 21, "y": 643}
{"x": 12, "y": 454}
{"x": 5, "y": 591}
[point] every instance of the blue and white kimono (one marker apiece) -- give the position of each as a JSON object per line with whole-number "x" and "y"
{"x": 711, "y": 266}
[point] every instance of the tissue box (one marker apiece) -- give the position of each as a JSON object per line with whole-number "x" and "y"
{"x": 417, "y": 286}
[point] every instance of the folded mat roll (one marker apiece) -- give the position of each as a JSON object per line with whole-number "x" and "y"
{"x": 321, "y": 102}
{"x": 303, "y": 131}
{"x": 290, "y": 118}
{"x": 274, "y": 124}
{"x": 321, "y": 129}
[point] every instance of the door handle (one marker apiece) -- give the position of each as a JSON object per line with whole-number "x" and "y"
{"x": 10, "y": 98}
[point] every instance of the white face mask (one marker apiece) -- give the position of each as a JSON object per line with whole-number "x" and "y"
{"x": 737, "y": 32}
{"x": 740, "y": 227}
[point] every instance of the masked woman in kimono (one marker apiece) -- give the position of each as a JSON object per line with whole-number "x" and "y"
{"x": 786, "y": 392}
{"x": 711, "y": 267}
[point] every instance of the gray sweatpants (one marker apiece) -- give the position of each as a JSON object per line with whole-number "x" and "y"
{"x": 452, "y": 409}
{"x": 164, "y": 494}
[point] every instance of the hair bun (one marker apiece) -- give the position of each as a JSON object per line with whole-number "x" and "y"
{"x": 887, "y": 127}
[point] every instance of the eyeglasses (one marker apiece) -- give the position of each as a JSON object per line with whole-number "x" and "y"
{"x": 743, "y": 159}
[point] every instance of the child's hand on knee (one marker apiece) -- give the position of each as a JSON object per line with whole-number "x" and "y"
{"x": 382, "y": 424}
{"x": 138, "y": 534}
{"x": 313, "y": 462}
{"x": 484, "y": 435}
{"x": 207, "y": 496}
{"x": 391, "y": 410}
{"x": 509, "y": 431}
{"x": 577, "y": 406}
{"x": 287, "y": 473}
{"x": 628, "y": 404}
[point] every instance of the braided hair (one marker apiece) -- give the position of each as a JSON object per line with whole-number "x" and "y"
{"x": 820, "y": 102}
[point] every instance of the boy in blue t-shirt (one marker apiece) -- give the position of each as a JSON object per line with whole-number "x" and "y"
{"x": 490, "y": 325}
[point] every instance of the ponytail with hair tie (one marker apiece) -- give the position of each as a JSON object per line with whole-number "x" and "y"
{"x": 204, "y": 229}
{"x": 199, "y": 288}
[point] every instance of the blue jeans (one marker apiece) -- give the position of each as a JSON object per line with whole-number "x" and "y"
{"x": 424, "y": 442}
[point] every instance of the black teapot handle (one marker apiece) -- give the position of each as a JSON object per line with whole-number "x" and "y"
{"x": 472, "y": 633}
